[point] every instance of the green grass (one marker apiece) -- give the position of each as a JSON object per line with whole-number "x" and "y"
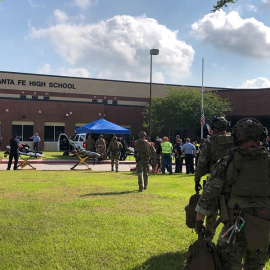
{"x": 93, "y": 220}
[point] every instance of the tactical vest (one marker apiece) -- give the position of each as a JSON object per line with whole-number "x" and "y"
{"x": 142, "y": 148}
{"x": 249, "y": 175}
{"x": 115, "y": 146}
{"x": 220, "y": 144}
{"x": 166, "y": 147}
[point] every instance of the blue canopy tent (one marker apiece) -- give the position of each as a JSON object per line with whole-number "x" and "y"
{"x": 102, "y": 126}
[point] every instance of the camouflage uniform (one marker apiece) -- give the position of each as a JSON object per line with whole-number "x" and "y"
{"x": 211, "y": 152}
{"x": 143, "y": 150}
{"x": 101, "y": 147}
{"x": 114, "y": 153}
{"x": 233, "y": 176}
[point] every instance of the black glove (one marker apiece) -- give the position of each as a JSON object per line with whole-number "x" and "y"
{"x": 199, "y": 227}
{"x": 198, "y": 187}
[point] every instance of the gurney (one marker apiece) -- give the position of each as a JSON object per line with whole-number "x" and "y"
{"x": 83, "y": 155}
{"x": 26, "y": 154}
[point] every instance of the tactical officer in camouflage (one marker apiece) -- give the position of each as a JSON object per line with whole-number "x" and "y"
{"x": 114, "y": 151}
{"x": 213, "y": 150}
{"x": 143, "y": 151}
{"x": 242, "y": 179}
{"x": 220, "y": 142}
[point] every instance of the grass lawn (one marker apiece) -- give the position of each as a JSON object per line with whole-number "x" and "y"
{"x": 93, "y": 220}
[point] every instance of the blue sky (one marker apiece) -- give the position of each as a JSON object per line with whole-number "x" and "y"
{"x": 111, "y": 39}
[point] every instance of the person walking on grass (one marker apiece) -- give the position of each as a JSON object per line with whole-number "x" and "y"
{"x": 143, "y": 151}
{"x": 240, "y": 182}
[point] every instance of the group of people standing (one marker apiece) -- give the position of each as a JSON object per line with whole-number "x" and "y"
{"x": 165, "y": 151}
{"x": 115, "y": 148}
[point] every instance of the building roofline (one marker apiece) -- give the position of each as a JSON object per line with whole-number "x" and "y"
{"x": 207, "y": 88}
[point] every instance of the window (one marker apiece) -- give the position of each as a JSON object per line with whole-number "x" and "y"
{"x": 23, "y": 132}
{"x": 51, "y": 133}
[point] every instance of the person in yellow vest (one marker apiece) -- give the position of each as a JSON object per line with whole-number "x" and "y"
{"x": 166, "y": 155}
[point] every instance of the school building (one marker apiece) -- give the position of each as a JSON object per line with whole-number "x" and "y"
{"x": 51, "y": 105}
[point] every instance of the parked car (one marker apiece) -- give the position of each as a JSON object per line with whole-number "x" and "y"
{"x": 64, "y": 145}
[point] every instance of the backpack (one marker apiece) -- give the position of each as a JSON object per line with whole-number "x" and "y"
{"x": 220, "y": 145}
{"x": 190, "y": 210}
{"x": 202, "y": 255}
{"x": 251, "y": 173}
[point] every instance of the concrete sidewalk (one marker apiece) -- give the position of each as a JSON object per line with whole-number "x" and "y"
{"x": 66, "y": 165}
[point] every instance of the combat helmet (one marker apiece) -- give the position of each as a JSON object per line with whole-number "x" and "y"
{"x": 249, "y": 129}
{"x": 114, "y": 138}
{"x": 219, "y": 123}
{"x": 142, "y": 134}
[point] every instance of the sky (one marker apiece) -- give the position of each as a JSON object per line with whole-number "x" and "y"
{"x": 111, "y": 39}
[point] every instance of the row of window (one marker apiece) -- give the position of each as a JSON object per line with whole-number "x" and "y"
{"x": 24, "y": 132}
{"x": 94, "y": 101}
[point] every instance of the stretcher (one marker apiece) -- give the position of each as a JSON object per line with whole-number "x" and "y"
{"x": 25, "y": 154}
{"x": 82, "y": 160}
{"x": 82, "y": 155}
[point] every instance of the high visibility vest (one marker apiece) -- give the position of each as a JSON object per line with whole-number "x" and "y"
{"x": 166, "y": 147}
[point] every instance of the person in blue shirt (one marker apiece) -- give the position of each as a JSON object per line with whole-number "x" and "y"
{"x": 188, "y": 150}
{"x": 36, "y": 140}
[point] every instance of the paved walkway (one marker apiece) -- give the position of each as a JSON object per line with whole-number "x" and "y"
{"x": 66, "y": 165}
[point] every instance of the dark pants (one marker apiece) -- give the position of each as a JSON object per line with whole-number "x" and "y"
{"x": 123, "y": 154}
{"x": 178, "y": 164}
{"x": 167, "y": 163}
{"x": 189, "y": 163}
{"x": 12, "y": 155}
{"x": 36, "y": 146}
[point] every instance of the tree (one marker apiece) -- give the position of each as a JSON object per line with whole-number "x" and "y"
{"x": 181, "y": 110}
{"x": 222, "y": 3}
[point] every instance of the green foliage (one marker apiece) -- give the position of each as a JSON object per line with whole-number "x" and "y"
{"x": 222, "y": 3}
{"x": 181, "y": 109}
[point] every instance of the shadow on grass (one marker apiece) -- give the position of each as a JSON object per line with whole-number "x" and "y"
{"x": 167, "y": 261}
{"x": 109, "y": 193}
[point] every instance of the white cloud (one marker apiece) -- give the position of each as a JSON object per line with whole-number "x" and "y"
{"x": 266, "y": 1}
{"x": 74, "y": 72}
{"x": 119, "y": 48}
{"x": 260, "y": 82}
{"x": 231, "y": 33}
{"x": 252, "y": 8}
{"x": 83, "y": 3}
{"x": 60, "y": 15}
{"x": 46, "y": 69}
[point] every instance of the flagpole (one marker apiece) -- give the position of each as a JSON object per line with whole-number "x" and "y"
{"x": 202, "y": 111}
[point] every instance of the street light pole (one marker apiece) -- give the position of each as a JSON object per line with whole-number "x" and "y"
{"x": 152, "y": 52}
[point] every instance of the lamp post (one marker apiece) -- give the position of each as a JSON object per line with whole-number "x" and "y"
{"x": 152, "y": 52}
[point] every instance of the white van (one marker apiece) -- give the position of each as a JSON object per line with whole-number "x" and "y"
{"x": 64, "y": 145}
